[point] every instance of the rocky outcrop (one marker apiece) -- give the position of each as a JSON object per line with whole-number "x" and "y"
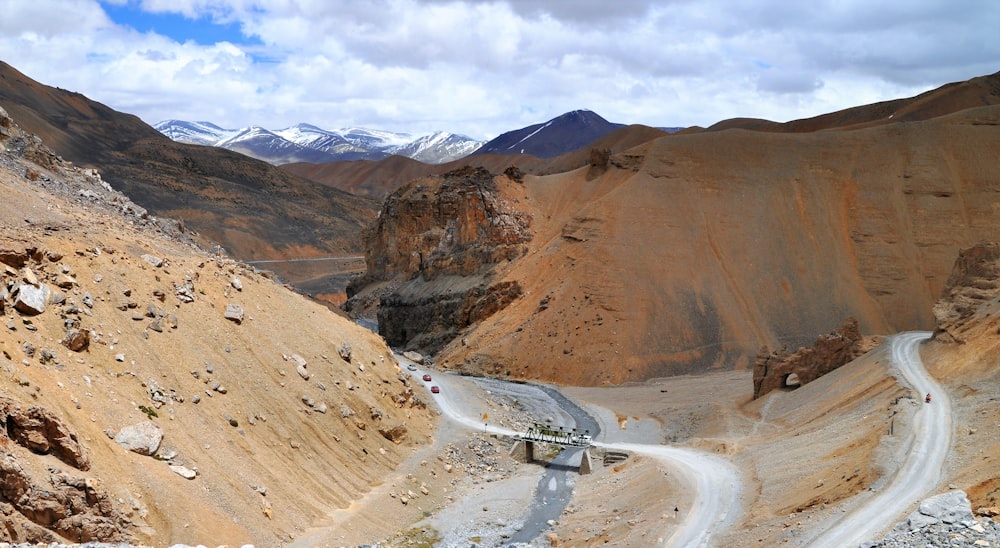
{"x": 456, "y": 224}
{"x": 416, "y": 317}
{"x": 779, "y": 369}
{"x": 40, "y": 431}
{"x": 974, "y": 280}
{"x": 432, "y": 253}
{"x": 59, "y": 506}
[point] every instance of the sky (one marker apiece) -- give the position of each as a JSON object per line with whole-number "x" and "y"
{"x": 481, "y": 68}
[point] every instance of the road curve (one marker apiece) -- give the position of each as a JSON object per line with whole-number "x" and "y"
{"x": 714, "y": 482}
{"x": 927, "y": 446}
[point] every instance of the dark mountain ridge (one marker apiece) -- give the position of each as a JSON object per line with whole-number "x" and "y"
{"x": 251, "y": 208}
{"x": 560, "y": 135}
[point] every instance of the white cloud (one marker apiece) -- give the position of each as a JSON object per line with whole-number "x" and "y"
{"x": 485, "y": 67}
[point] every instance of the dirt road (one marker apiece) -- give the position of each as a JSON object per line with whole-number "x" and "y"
{"x": 927, "y": 446}
{"x": 714, "y": 482}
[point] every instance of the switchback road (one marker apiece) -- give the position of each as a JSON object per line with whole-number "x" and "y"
{"x": 927, "y": 446}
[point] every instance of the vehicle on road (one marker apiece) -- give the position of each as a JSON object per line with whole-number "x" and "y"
{"x": 427, "y": 377}
{"x": 928, "y": 398}
{"x": 411, "y": 367}
{"x": 435, "y": 390}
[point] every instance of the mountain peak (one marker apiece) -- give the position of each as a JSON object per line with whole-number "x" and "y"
{"x": 564, "y": 133}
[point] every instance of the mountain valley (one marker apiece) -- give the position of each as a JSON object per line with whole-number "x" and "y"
{"x": 642, "y": 274}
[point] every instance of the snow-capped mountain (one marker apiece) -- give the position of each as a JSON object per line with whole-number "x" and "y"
{"x": 194, "y": 133}
{"x": 309, "y": 143}
{"x": 271, "y": 147}
{"x": 439, "y": 148}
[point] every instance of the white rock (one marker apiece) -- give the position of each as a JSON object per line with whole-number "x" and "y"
{"x": 31, "y": 299}
{"x": 143, "y": 438}
{"x": 153, "y": 260}
{"x": 184, "y": 472}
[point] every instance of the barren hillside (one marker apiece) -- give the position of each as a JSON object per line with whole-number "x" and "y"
{"x": 689, "y": 253}
{"x": 113, "y": 326}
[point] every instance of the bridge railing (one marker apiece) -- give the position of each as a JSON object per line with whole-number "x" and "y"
{"x": 573, "y": 437}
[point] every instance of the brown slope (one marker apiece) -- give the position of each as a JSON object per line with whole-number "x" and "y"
{"x": 954, "y": 97}
{"x": 371, "y": 178}
{"x": 378, "y": 179}
{"x": 616, "y": 141}
{"x": 270, "y": 463}
{"x": 251, "y": 208}
{"x": 693, "y": 251}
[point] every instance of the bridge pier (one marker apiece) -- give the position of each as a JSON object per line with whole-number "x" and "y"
{"x": 524, "y": 451}
{"x": 525, "y": 456}
{"x": 586, "y": 466}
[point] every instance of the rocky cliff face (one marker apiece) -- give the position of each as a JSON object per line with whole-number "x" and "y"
{"x": 779, "y": 369}
{"x": 974, "y": 281}
{"x": 432, "y": 256}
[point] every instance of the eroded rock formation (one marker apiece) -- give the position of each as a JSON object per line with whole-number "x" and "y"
{"x": 974, "y": 280}
{"x": 57, "y": 506}
{"x": 777, "y": 369}
{"x": 432, "y": 253}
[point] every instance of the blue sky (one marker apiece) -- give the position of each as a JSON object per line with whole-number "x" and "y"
{"x": 481, "y": 67}
{"x": 202, "y": 29}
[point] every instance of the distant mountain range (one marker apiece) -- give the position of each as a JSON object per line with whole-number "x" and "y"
{"x": 308, "y": 143}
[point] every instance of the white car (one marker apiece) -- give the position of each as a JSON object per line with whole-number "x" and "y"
{"x": 411, "y": 367}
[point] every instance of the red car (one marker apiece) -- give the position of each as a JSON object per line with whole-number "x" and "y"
{"x": 427, "y": 378}
{"x": 435, "y": 390}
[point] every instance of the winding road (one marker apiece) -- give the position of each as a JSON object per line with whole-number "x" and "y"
{"x": 713, "y": 482}
{"x": 927, "y": 445}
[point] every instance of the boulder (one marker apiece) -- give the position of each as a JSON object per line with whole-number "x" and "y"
{"x": 31, "y": 299}
{"x": 143, "y": 438}
{"x": 950, "y": 507}
{"x": 153, "y": 260}
{"x": 395, "y": 434}
{"x": 77, "y": 340}
{"x": 234, "y": 312}
{"x": 415, "y": 357}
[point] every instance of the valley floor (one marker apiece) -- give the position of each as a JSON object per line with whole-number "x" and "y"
{"x": 803, "y": 455}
